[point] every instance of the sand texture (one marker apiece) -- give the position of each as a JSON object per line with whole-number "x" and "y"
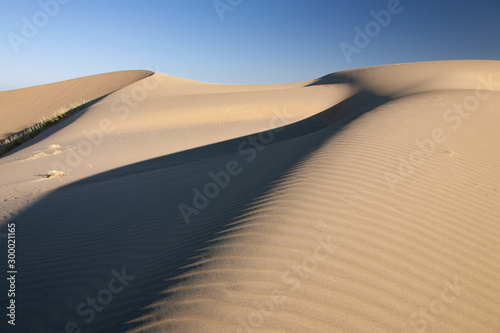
{"x": 364, "y": 201}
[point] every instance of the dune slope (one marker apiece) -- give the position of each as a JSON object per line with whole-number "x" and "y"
{"x": 20, "y": 108}
{"x": 364, "y": 201}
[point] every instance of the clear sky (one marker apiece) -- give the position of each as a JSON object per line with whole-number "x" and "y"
{"x": 236, "y": 41}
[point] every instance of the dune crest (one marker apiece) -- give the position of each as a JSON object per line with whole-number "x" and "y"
{"x": 20, "y": 108}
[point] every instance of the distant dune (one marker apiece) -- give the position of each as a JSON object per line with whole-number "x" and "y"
{"x": 364, "y": 201}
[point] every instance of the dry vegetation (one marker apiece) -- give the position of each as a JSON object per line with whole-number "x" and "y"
{"x": 15, "y": 139}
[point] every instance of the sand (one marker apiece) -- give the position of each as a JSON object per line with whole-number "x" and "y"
{"x": 363, "y": 201}
{"x": 23, "y": 107}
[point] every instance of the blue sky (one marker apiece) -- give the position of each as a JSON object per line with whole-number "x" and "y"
{"x": 256, "y": 41}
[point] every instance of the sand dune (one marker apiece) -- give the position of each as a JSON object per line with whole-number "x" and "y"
{"x": 22, "y": 107}
{"x": 364, "y": 201}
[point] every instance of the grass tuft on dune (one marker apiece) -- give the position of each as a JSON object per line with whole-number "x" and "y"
{"x": 16, "y": 139}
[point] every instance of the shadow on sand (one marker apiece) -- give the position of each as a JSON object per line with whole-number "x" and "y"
{"x": 128, "y": 220}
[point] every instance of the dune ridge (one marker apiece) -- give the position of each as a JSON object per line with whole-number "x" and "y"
{"x": 364, "y": 201}
{"x": 20, "y": 108}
